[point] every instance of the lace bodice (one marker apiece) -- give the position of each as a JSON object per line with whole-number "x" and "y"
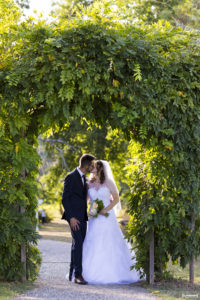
{"x": 100, "y": 191}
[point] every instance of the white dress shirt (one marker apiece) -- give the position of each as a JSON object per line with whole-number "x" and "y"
{"x": 81, "y": 174}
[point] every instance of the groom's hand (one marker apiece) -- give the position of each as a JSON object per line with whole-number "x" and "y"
{"x": 74, "y": 224}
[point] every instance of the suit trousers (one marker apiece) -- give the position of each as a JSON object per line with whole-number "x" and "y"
{"x": 78, "y": 237}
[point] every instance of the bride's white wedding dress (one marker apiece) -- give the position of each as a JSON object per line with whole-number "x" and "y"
{"x": 106, "y": 256}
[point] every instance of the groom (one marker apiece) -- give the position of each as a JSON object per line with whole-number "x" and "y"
{"x": 75, "y": 205}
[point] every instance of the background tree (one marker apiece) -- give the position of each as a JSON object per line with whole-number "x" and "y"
{"x": 23, "y": 3}
{"x": 63, "y": 149}
{"x": 178, "y": 12}
{"x": 9, "y": 17}
{"x": 68, "y": 8}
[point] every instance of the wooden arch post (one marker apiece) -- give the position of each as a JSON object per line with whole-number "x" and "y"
{"x": 191, "y": 265}
{"x": 151, "y": 257}
{"x": 23, "y": 247}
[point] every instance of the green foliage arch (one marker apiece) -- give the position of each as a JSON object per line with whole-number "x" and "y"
{"x": 144, "y": 81}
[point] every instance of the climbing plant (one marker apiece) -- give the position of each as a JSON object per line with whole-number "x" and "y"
{"x": 61, "y": 152}
{"x": 143, "y": 80}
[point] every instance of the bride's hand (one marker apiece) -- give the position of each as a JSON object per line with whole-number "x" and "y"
{"x": 103, "y": 212}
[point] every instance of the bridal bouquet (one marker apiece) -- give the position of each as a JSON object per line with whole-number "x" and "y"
{"x": 95, "y": 207}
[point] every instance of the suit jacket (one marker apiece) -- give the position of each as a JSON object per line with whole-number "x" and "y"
{"x": 74, "y": 197}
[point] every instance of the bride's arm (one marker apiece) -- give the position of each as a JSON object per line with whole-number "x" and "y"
{"x": 115, "y": 195}
{"x": 88, "y": 198}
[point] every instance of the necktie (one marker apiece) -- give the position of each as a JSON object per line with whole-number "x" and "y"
{"x": 84, "y": 180}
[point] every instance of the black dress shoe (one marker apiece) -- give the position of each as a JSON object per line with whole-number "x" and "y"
{"x": 80, "y": 280}
{"x": 70, "y": 277}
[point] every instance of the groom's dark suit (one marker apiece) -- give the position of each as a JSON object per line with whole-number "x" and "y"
{"x": 75, "y": 205}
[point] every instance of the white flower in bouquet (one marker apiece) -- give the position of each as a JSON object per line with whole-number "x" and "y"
{"x": 93, "y": 211}
{"x": 95, "y": 207}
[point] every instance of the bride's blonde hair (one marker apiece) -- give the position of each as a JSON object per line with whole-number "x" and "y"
{"x": 100, "y": 172}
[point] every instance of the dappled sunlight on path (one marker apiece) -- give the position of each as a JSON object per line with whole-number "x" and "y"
{"x": 57, "y": 230}
{"x": 52, "y": 283}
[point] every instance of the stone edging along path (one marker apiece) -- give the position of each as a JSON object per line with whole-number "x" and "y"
{"x": 53, "y": 285}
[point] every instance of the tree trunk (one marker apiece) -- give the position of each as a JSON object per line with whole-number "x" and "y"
{"x": 192, "y": 270}
{"x": 23, "y": 254}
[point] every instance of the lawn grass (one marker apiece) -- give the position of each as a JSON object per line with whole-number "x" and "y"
{"x": 178, "y": 287}
{"x": 52, "y": 210}
{"x": 57, "y": 230}
{"x": 9, "y": 290}
{"x": 183, "y": 274}
{"x": 175, "y": 289}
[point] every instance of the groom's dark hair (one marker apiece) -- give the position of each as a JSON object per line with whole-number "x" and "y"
{"x": 86, "y": 160}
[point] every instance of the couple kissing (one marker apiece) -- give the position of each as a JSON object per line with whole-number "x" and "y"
{"x": 99, "y": 252}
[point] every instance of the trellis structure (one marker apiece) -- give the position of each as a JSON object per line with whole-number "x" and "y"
{"x": 143, "y": 81}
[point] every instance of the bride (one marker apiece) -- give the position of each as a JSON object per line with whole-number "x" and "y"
{"x": 106, "y": 256}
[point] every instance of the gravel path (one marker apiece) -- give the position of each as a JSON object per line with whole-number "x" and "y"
{"x": 53, "y": 285}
